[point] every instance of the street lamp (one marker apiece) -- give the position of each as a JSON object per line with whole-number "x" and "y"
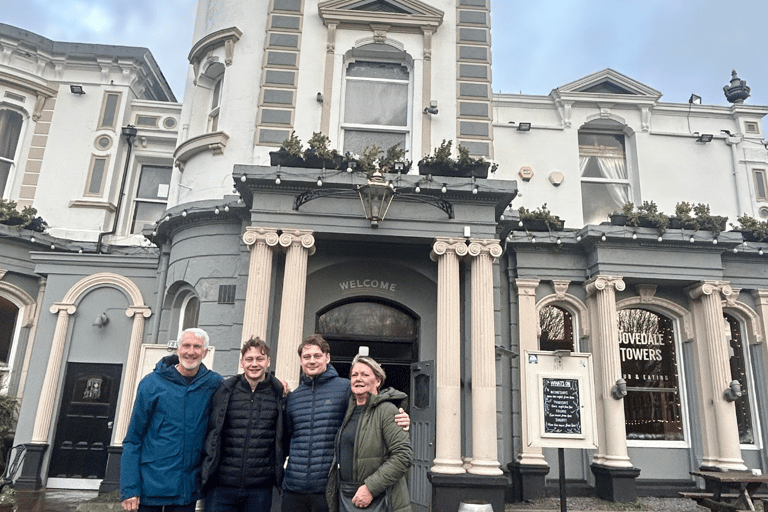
{"x": 376, "y": 196}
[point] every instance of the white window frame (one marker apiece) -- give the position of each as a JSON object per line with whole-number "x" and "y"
{"x": 5, "y": 191}
{"x": 759, "y": 175}
{"x": 746, "y": 346}
{"x": 140, "y": 164}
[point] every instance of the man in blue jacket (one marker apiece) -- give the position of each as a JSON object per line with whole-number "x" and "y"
{"x": 314, "y": 413}
{"x": 162, "y": 451}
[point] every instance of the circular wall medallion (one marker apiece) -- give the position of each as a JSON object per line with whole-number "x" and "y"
{"x": 169, "y": 123}
{"x": 103, "y": 142}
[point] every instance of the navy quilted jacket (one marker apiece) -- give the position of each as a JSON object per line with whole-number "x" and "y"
{"x": 314, "y": 414}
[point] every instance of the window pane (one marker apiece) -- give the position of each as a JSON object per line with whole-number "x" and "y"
{"x": 760, "y": 189}
{"x": 146, "y": 213}
{"x": 191, "y": 312}
{"x": 390, "y": 107}
{"x": 601, "y": 143}
{"x": 367, "y": 319}
{"x": 600, "y": 199}
{"x": 5, "y": 171}
{"x": 380, "y": 70}
{"x": 10, "y": 130}
{"x": 8, "y": 314}
{"x": 154, "y": 182}
{"x": 556, "y": 329}
{"x": 355, "y": 141}
{"x": 110, "y": 110}
{"x": 738, "y": 365}
{"x": 649, "y": 365}
{"x": 97, "y": 176}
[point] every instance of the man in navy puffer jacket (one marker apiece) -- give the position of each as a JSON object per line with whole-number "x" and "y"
{"x": 314, "y": 413}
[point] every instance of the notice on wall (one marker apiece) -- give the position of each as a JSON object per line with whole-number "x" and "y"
{"x": 560, "y": 399}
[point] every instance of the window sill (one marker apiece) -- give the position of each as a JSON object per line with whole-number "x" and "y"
{"x": 99, "y": 205}
{"x": 214, "y": 142}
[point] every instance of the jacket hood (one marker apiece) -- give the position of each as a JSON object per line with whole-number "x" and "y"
{"x": 328, "y": 374}
{"x": 386, "y": 395}
{"x": 165, "y": 369}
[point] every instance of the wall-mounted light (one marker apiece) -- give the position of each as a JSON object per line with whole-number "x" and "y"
{"x": 694, "y": 99}
{"x": 432, "y": 108}
{"x": 704, "y": 138}
{"x": 732, "y": 392}
{"x": 319, "y": 97}
{"x": 523, "y": 127}
{"x": 619, "y": 390}
{"x": 76, "y": 89}
{"x": 101, "y": 320}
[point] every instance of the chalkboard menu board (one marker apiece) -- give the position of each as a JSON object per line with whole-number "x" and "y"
{"x": 562, "y": 409}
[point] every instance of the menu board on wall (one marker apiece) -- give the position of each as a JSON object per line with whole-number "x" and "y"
{"x": 562, "y": 407}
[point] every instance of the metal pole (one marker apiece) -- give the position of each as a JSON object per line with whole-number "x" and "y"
{"x": 561, "y": 469}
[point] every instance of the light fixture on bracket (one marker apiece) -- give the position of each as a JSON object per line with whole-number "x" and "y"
{"x": 376, "y": 196}
{"x": 76, "y": 89}
{"x": 101, "y": 320}
{"x": 704, "y": 138}
{"x": 432, "y": 108}
{"x": 523, "y": 127}
{"x": 694, "y": 99}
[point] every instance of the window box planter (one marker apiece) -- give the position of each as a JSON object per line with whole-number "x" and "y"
{"x": 618, "y": 219}
{"x": 314, "y": 161}
{"x": 476, "y": 170}
{"x": 539, "y": 225}
{"x": 285, "y": 159}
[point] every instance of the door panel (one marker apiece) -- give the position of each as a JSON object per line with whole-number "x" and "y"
{"x": 422, "y": 434}
{"x": 84, "y": 428}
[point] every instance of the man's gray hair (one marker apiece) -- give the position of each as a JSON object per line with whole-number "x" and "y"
{"x": 198, "y": 333}
{"x": 378, "y": 371}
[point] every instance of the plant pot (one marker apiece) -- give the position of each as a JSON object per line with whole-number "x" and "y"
{"x": 313, "y": 161}
{"x": 285, "y": 159}
{"x": 540, "y": 225}
{"x": 749, "y": 236}
{"x": 618, "y": 219}
{"x": 435, "y": 169}
{"x": 477, "y": 170}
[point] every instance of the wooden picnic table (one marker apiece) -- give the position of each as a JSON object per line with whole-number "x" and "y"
{"x": 728, "y": 491}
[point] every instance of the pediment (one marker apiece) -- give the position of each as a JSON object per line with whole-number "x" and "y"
{"x": 399, "y": 15}
{"x": 609, "y": 81}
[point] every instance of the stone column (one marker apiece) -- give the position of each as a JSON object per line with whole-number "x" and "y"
{"x": 446, "y": 252}
{"x": 528, "y": 325}
{"x": 123, "y": 417}
{"x": 484, "y": 441}
{"x": 51, "y": 380}
{"x": 256, "y": 315}
{"x": 299, "y": 245}
{"x": 611, "y": 427}
{"x": 713, "y": 361}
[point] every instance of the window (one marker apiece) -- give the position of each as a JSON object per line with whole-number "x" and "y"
{"x": 8, "y": 314}
{"x": 10, "y": 131}
{"x": 738, "y": 364}
{"x": 761, "y": 186}
{"x": 185, "y": 312}
{"x": 604, "y": 177}
{"x": 556, "y": 329}
{"x": 213, "y": 117}
{"x": 386, "y": 121}
{"x": 649, "y": 365}
{"x": 751, "y": 127}
{"x": 99, "y": 165}
{"x": 151, "y": 195}
{"x": 109, "y": 110}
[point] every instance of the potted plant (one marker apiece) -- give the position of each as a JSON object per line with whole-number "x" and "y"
{"x": 645, "y": 216}
{"x": 290, "y": 153}
{"x": 751, "y": 229}
{"x": 394, "y": 160}
{"x": 26, "y": 218}
{"x": 319, "y": 154}
{"x": 440, "y": 163}
{"x": 705, "y": 221}
{"x": 540, "y": 219}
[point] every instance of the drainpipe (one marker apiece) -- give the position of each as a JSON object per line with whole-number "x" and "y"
{"x": 162, "y": 277}
{"x": 733, "y": 142}
{"x": 129, "y": 132}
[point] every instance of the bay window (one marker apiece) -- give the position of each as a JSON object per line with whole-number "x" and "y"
{"x": 10, "y": 131}
{"x": 605, "y": 184}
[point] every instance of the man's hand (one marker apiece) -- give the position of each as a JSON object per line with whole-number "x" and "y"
{"x": 286, "y": 388}
{"x": 362, "y": 497}
{"x": 131, "y": 503}
{"x": 403, "y": 420}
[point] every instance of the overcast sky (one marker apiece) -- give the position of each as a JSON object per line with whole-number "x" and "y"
{"x": 677, "y": 47}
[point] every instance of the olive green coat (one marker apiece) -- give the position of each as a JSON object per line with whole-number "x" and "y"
{"x": 382, "y": 453}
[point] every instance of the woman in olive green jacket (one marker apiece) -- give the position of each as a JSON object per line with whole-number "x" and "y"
{"x": 371, "y": 449}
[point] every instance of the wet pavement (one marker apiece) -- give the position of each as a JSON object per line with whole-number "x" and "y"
{"x": 56, "y": 500}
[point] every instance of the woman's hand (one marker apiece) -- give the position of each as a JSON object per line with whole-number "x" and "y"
{"x": 403, "y": 420}
{"x": 362, "y": 497}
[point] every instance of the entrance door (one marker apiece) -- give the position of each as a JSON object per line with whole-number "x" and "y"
{"x": 84, "y": 429}
{"x": 422, "y": 433}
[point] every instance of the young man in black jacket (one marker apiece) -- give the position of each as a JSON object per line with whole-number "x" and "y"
{"x": 244, "y": 453}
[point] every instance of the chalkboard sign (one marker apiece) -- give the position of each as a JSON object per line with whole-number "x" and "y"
{"x": 562, "y": 408}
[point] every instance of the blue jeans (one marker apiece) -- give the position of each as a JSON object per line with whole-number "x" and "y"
{"x": 236, "y": 499}
{"x": 293, "y": 502}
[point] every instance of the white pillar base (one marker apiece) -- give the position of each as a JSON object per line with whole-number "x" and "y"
{"x": 448, "y": 467}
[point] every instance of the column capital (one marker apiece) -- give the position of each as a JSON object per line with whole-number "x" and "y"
{"x": 705, "y": 288}
{"x": 760, "y": 296}
{"x": 295, "y": 237}
{"x": 255, "y": 234}
{"x": 144, "y": 311}
{"x": 527, "y": 286}
{"x": 480, "y": 246}
{"x": 442, "y": 246}
{"x": 600, "y": 283}
{"x": 58, "y": 307}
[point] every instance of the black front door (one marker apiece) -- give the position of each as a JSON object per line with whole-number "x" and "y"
{"x": 84, "y": 429}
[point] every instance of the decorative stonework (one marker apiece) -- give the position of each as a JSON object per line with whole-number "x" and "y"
{"x": 561, "y": 288}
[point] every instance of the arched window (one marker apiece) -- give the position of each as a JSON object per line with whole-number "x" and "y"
{"x": 186, "y": 312}
{"x": 738, "y": 351}
{"x": 8, "y": 314}
{"x": 556, "y": 329}
{"x": 10, "y": 131}
{"x": 605, "y": 185}
{"x": 382, "y": 72}
{"x": 649, "y": 366}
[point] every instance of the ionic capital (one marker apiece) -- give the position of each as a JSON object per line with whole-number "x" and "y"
{"x": 59, "y": 307}
{"x": 600, "y": 283}
{"x": 298, "y": 237}
{"x": 457, "y": 246}
{"x": 254, "y": 235}
{"x": 491, "y": 247}
{"x": 710, "y": 288}
{"x": 138, "y": 310}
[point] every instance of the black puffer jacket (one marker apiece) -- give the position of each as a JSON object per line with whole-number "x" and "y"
{"x": 244, "y": 444}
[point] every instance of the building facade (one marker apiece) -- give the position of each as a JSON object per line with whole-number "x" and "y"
{"x": 173, "y": 216}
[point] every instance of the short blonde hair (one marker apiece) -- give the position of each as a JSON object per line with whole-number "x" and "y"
{"x": 378, "y": 371}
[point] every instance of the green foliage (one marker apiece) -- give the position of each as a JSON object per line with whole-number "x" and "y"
{"x": 757, "y": 230}
{"x": 541, "y": 213}
{"x": 293, "y": 145}
{"x": 319, "y": 145}
{"x": 368, "y": 161}
{"x": 647, "y": 214}
{"x": 705, "y": 221}
{"x": 9, "y": 408}
{"x": 442, "y": 156}
{"x": 393, "y": 155}
{"x": 26, "y": 218}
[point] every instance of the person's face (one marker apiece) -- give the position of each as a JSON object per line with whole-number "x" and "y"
{"x": 254, "y": 364}
{"x": 314, "y": 361}
{"x": 191, "y": 351}
{"x": 363, "y": 380}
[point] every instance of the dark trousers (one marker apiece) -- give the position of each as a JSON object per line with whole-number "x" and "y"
{"x": 168, "y": 508}
{"x": 293, "y": 502}
{"x": 235, "y": 499}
